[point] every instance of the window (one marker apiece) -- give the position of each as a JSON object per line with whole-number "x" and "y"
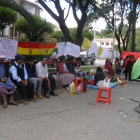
{"x": 107, "y": 43}
{"x": 102, "y": 43}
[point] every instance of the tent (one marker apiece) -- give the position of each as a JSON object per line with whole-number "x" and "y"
{"x": 136, "y": 70}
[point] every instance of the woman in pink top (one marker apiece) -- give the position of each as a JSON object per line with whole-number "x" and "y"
{"x": 65, "y": 75}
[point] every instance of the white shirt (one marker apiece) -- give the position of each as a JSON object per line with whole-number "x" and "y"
{"x": 122, "y": 62}
{"x": 41, "y": 70}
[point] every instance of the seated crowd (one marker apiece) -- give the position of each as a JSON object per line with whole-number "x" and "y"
{"x": 121, "y": 66}
{"x": 27, "y": 77}
{"x": 30, "y": 78}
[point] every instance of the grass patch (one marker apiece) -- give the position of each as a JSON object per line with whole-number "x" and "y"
{"x": 89, "y": 68}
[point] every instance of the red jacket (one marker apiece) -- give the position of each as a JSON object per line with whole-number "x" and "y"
{"x": 128, "y": 59}
{"x": 60, "y": 68}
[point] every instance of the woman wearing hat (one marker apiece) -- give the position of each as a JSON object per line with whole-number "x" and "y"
{"x": 6, "y": 85}
{"x": 65, "y": 75}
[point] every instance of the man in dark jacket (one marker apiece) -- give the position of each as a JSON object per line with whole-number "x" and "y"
{"x": 69, "y": 65}
{"x": 128, "y": 67}
{"x": 20, "y": 77}
{"x": 31, "y": 70}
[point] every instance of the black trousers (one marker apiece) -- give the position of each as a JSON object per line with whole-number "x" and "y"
{"x": 45, "y": 84}
{"x": 26, "y": 92}
{"x": 128, "y": 72}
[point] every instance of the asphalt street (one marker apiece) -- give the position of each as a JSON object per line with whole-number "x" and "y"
{"x": 75, "y": 117}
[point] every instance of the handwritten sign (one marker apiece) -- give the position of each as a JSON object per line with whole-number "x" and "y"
{"x": 93, "y": 48}
{"x": 61, "y": 48}
{"x": 8, "y": 47}
{"x": 72, "y": 49}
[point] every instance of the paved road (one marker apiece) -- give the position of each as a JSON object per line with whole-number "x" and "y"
{"x": 76, "y": 117}
{"x": 98, "y": 62}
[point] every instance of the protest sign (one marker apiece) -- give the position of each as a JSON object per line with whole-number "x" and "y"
{"x": 8, "y": 47}
{"x": 61, "y": 48}
{"x": 72, "y": 49}
{"x": 93, "y": 48}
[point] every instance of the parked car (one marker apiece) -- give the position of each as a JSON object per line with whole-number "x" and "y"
{"x": 87, "y": 57}
{"x": 53, "y": 60}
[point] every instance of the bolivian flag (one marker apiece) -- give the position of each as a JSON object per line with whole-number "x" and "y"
{"x": 36, "y": 49}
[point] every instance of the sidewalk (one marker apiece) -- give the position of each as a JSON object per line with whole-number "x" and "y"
{"x": 76, "y": 117}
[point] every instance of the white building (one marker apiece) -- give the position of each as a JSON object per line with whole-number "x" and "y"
{"x": 31, "y": 8}
{"x": 107, "y": 45}
{"x": 106, "y": 42}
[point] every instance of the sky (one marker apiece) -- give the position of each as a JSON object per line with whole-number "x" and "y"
{"x": 100, "y": 23}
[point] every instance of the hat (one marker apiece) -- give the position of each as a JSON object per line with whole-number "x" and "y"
{"x": 19, "y": 56}
{"x": 30, "y": 58}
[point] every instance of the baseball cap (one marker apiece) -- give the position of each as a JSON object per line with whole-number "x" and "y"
{"x": 19, "y": 56}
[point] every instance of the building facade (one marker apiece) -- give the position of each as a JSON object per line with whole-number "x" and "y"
{"x": 32, "y": 8}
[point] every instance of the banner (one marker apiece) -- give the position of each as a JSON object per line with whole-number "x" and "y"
{"x": 61, "y": 48}
{"x": 93, "y": 48}
{"x": 136, "y": 54}
{"x": 86, "y": 43}
{"x": 33, "y": 48}
{"x": 8, "y": 47}
{"x": 72, "y": 49}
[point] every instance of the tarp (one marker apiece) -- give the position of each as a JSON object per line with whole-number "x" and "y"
{"x": 136, "y": 54}
{"x": 136, "y": 70}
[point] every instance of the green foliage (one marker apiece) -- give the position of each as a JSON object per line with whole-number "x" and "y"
{"x": 59, "y": 35}
{"x": 37, "y": 31}
{"x": 138, "y": 38}
{"x": 7, "y": 17}
{"x": 12, "y": 4}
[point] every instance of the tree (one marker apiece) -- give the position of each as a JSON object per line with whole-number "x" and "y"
{"x": 61, "y": 16}
{"x": 134, "y": 6}
{"x": 138, "y": 37}
{"x": 118, "y": 11}
{"x": 12, "y": 4}
{"x": 7, "y": 17}
{"x": 37, "y": 31}
{"x": 59, "y": 35}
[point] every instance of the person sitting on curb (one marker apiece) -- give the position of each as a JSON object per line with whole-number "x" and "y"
{"x": 42, "y": 73}
{"x": 31, "y": 70}
{"x": 19, "y": 76}
{"x": 63, "y": 72}
{"x": 6, "y": 85}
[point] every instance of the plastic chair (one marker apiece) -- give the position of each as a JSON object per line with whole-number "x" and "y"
{"x": 78, "y": 80}
{"x": 101, "y": 98}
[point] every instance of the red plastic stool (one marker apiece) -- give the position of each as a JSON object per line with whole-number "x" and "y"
{"x": 78, "y": 80}
{"x": 106, "y": 99}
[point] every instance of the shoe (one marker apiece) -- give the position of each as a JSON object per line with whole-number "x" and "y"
{"x": 5, "y": 105}
{"x": 35, "y": 97}
{"x": 25, "y": 102}
{"x": 53, "y": 94}
{"x": 13, "y": 103}
{"x": 32, "y": 99}
{"x": 46, "y": 95}
{"x": 40, "y": 96}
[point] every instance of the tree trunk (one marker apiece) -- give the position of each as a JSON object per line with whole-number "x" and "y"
{"x": 65, "y": 30}
{"x": 133, "y": 45}
{"x": 79, "y": 38}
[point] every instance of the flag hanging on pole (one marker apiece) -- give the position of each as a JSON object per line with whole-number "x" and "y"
{"x": 86, "y": 43}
